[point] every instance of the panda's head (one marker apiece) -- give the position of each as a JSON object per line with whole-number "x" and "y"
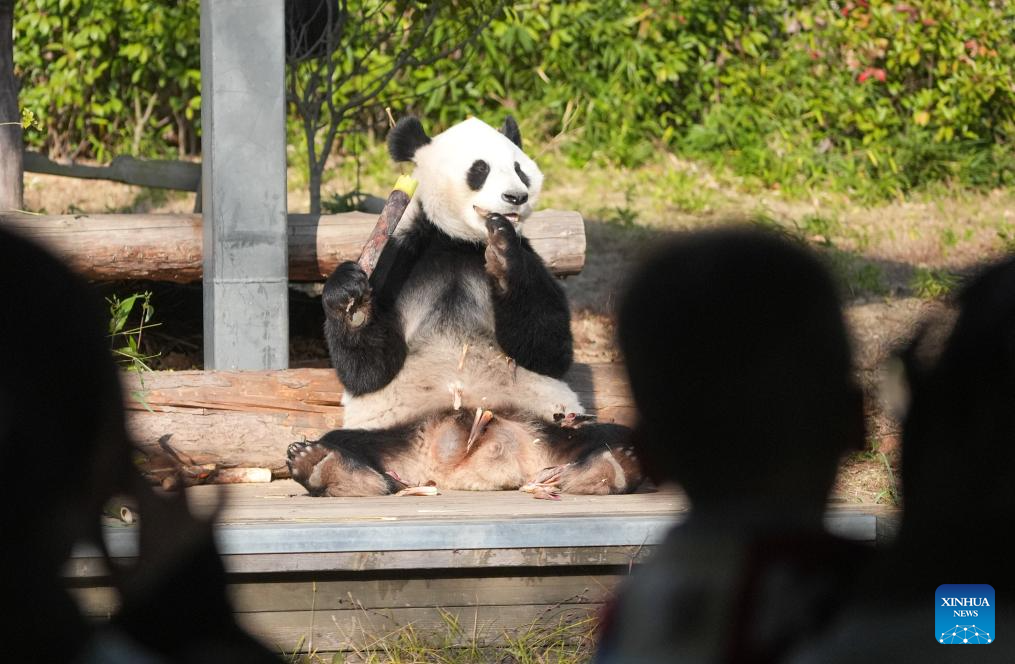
{"x": 467, "y": 172}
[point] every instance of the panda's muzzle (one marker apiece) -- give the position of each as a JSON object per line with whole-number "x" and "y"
{"x": 513, "y": 217}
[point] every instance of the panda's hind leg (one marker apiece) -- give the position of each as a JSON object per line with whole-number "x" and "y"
{"x": 348, "y": 462}
{"x": 590, "y": 459}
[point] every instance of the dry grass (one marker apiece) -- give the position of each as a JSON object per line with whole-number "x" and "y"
{"x": 567, "y": 640}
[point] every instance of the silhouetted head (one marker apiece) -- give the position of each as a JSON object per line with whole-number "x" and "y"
{"x": 959, "y": 433}
{"x": 62, "y": 436}
{"x": 741, "y": 368}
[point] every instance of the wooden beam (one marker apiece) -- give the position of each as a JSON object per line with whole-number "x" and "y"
{"x": 159, "y": 173}
{"x": 348, "y": 593}
{"x": 167, "y": 247}
{"x": 88, "y": 565}
{"x": 248, "y": 418}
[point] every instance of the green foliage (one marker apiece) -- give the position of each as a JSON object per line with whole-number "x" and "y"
{"x": 110, "y": 77}
{"x": 567, "y": 639}
{"x": 365, "y": 45}
{"x": 927, "y": 282}
{"x": 875, "y": 99}
{"x": 1006, "y": 234}
{"x": 126, "y": 328}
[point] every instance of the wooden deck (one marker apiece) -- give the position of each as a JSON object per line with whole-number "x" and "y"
{"x": 337, "y": 573}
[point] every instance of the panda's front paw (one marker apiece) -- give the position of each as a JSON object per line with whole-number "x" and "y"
{"x": 502, "y": 245}
{"x": 346, "y": 294}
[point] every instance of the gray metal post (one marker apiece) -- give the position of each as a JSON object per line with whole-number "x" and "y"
{"x": 246, "y": 299}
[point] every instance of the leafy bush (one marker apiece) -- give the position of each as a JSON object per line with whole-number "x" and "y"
{"x": 879, "y": 97}
{"x": 110, "y": 77}
{"x": 870, "y": 97}
{"x": 616, "y": 78}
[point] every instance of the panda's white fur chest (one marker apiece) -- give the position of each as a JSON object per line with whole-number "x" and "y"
{"x": 421, "y": 317}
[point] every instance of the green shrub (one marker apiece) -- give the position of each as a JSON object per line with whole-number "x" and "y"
{"x": 875, "y": 99}
{"x": 110, "y": 77}
{"x": 931, "y": 283}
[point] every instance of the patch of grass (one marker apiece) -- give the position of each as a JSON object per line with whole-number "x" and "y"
{"x": 874, "y": 455}
{"x": 931, "y": 283}
{"x": 820, "y": 229}
{"x": 352, "y": 201}
{"x": 568, "y": 640}
{"x": 623, "y": 215}
{"x": 1007, "y": 236}
{"x": 147, "y": 199}
{"x": 891, "y": 494}
{"x": 682, "y": 191}
{"x": 857, "y": 277}
{"x": 949, "y": 238}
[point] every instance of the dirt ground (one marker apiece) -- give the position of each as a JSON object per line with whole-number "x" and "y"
{"x": 893, "y": 242}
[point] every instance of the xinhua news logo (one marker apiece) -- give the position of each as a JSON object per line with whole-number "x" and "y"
{"x": 964, "y": 614}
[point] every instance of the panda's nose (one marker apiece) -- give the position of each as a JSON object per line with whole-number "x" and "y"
{"x": 515, "y": 198}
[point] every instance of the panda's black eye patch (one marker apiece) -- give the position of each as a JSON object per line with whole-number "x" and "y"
{"x": 521, "y": 174}
{"x": 476, "y": 176}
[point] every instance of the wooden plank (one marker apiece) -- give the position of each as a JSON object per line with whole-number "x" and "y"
{"x": 248, "y": 418}
{"x": 362, "y": 629}
{"x": 351, "y": 593}
{"x": 426, "y": 535}
{"x": 168, "y": 247}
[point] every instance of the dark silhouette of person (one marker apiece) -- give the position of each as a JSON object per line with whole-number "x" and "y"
{"x": 741, "y": 370}
{"x": 65, "y": 453}
{"x": 958, "y": 478}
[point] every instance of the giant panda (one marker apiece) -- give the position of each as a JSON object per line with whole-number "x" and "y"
{"x": 452, "y": 352}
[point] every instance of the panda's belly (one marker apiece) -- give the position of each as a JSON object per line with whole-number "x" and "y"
{"x": 447, "y": 374}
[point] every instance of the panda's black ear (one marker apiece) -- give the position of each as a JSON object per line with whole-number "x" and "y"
{"x": 405, "y": 138}
{"x": 510, "y": 129}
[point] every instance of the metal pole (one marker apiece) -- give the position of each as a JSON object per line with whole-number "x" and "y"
{"x": 246, "y": 321}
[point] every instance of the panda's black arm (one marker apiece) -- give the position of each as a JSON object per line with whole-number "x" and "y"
{"x": 533, "y": 322}
{"x": 367, "y": 357}
{"x": 367, "y": 354}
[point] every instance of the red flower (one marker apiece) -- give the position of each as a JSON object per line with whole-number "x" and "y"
{"x": 879, "y": 75}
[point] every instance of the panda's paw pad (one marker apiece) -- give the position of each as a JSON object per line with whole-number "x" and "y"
{"x": 500, "y": 231}
{"x": 302, "y": 458}
{"x": 572, "y": 420}
{"x": 501, "y": 243}
{"x": 347, "y": 293}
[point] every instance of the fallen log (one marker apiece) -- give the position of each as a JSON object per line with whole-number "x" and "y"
{"x": 246, "y": 419}
{"x": 168, "y": 247}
